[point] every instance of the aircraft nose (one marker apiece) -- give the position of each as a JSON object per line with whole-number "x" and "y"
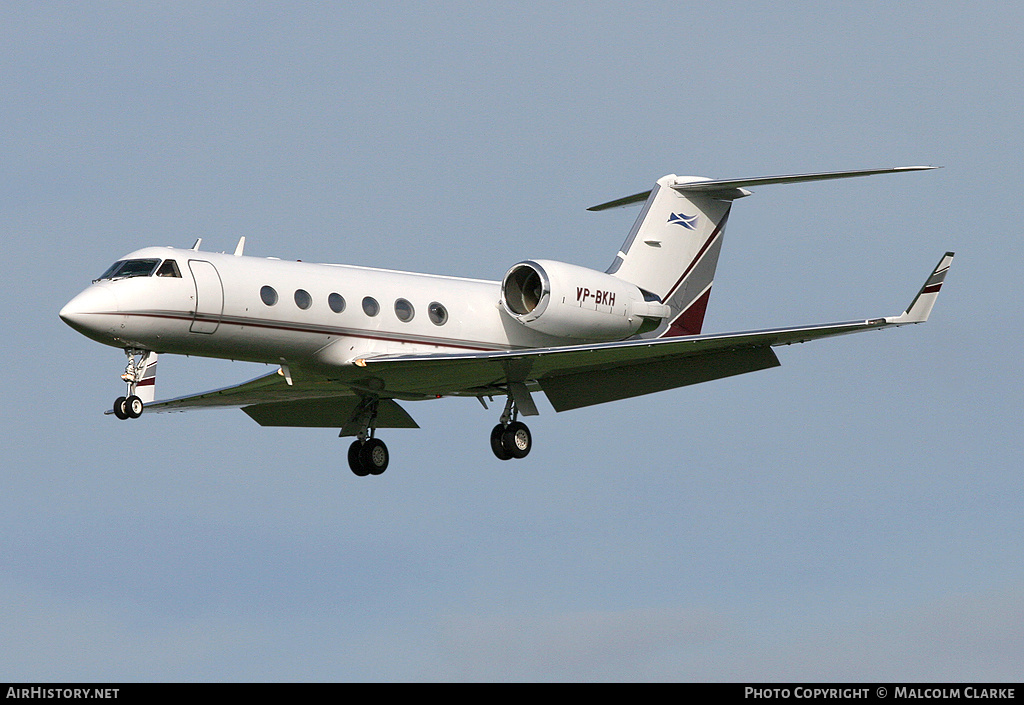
{"x": 89, "y": 312}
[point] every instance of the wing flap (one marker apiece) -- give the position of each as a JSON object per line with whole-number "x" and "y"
{"x": 333, "y": 412}
{"x": 572, "y": 391}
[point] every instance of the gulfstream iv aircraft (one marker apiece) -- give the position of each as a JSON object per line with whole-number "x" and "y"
{"x": 351, "y": 343}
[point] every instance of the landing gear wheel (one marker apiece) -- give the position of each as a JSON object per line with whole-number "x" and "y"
{"x": 373, "y": 456}
{"x": 516, "y": 440}
{"x": 496, "y": 444}
{"x": 119, "y": 408}
{"x": 133, "y": 407}
{"x": 353, "y": 459}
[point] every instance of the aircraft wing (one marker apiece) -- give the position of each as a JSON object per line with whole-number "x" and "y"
{"x": 271, "y": 400}
{"x": 580, "y": 375}
{"x": 570, "y": 376}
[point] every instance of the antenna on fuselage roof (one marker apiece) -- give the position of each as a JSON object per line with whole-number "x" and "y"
{"x": 240, "y": 246}
{"x": 199, "y": 241}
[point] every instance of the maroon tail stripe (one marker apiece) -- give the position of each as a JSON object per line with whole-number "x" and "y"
{"x": 690, "y": 321}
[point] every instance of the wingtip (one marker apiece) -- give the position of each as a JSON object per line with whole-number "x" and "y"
{"x": 921, "y": 307}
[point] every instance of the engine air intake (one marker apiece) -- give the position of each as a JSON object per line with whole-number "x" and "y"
{"x": 524, "y": 288}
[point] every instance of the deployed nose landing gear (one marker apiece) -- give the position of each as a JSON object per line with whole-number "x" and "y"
{"x": 136, "y": 375}
{"x": 511, "y": 438}
{"x": 129, "y": 407}
{"x": 368, "y": 455}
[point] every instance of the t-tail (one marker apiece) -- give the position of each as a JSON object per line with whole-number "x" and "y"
{"x": 672, "y": 250}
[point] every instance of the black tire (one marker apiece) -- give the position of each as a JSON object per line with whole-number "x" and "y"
{"x": 516, "y": 440}
{"x": 133, "y": 406}
{"x": 496, "y": 445}
{"x": 353, "y": 459}
{"x": 119, "y": 410}
{"x": 374, "y": 456}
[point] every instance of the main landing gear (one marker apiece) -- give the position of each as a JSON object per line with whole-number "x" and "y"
{"x": 367, "y": 455}
{"x": 511, "y": 438}
{"x": 131, "y": 405}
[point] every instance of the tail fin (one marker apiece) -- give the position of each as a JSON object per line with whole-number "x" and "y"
{"x": 672, "y": 250}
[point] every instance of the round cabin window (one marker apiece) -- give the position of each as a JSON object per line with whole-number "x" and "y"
{"x": 404, "y": 310}
{"x": 438, "y": 314}
{"x": 370, "y": 306}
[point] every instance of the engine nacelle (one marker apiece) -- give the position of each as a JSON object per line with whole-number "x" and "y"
{"x": 575, "y": 302}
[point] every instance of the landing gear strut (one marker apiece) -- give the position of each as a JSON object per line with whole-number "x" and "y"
{"x": 131, "y": 405}
{"x": 510, "y": 438}
{"x": 368, "y": 455}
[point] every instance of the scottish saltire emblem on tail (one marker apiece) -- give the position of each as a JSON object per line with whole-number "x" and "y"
{"x": 687, "y": 221}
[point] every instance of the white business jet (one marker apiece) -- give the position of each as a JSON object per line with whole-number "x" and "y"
{"x": 352, "y": 342}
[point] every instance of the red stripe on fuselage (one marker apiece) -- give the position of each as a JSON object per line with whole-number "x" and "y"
{"x": 316, "y": 329}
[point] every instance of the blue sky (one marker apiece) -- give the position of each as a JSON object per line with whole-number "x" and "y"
{"x": 854, "y": 514}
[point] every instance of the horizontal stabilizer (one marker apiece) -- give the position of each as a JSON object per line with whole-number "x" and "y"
{"x": 732, "y": 187}
{"x": 725, "y": 184}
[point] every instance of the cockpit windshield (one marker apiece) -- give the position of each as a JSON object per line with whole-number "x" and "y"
{"x": 125, "y": 268}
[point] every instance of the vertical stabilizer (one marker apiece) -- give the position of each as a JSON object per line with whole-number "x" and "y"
{"x": 672, "y": 250}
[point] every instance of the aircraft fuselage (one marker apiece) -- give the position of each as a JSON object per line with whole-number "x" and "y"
{"x": 265, "y": 310}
